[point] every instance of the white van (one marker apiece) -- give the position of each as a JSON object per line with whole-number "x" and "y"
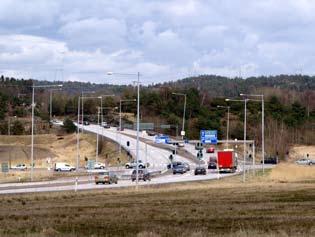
{"x": 60, "y": 166}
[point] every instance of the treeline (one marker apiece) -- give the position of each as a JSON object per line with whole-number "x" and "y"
{"x": 289, "y": 106}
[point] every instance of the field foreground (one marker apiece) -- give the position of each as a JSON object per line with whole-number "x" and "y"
{"x": 211, "y": 208}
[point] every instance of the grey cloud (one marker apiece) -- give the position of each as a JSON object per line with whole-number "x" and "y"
{"x": 158, "y": 36}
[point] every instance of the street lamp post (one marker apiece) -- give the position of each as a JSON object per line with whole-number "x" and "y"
{"x": 245, "y": 118}
{"x": 33, "y": 108}
{"x": 183, "y": 126}
{"x": 138, "y": 118}
{"x": 120, "y": 102}
{"x": 78, "y": 136}
{"x": 228, "y": 122}
{"x": 262, "y": 125}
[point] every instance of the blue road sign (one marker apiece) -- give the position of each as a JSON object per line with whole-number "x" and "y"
{"x": 209, "y": 136}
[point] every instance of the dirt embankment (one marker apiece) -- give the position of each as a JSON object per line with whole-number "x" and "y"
{"x": 289, "y": 171}
{"x": 17, "y": 149}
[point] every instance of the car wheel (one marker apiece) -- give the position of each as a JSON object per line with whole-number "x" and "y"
{"x": 96, "y": 183}
{"x": 310, "y": 163}
{"x": 59, "y": 170}
{"x": 127, "y": 166}
{"x": 102, "y": 167}
{"x": 141, "y": 166}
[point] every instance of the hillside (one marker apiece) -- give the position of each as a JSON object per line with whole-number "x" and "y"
{"x": 289, "y": 106}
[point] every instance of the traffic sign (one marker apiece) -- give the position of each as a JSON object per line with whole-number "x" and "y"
{"x": 209, "y": 136}
{"x": 90, "y": 164}
{"x": 4, "y": 167}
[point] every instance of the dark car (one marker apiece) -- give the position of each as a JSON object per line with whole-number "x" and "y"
{"x": 174, "y": 163}
{"x": 143, "y": 174}
{"x": 200, "y": 170}
{"x": 212, "y": 165}
{"x": 270, "y": 160}
{"x": 179, "y": 169}
{"x": 151, "y": 133}
{"x": 106, "y": 177}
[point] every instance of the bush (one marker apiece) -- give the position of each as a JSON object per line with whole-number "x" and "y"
{"x": 69, "y": 126}
{"x": 17, "y": 128}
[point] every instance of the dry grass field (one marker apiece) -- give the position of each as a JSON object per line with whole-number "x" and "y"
{"x": 211, "y": 208}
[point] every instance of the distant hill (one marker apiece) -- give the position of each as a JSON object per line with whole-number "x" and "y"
{"x": 218, "y": 86}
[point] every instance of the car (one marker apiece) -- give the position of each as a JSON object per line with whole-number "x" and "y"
{"x": 174, "y": 163}
{"x": 21, "y": 167}
{"x": 270, "y": 160}
{"x": 61, "y": 166}
{"x": 133, "y": 164}
{"x": 143, "y": 174}
{"x": 151, "y": 133}
{"x": 179, "y": 169}
{"x": 86, "y": 123}
{"x": 105, "y": 125}
{"x": 210, "y": 149}
{"x": 305, "y": 161}
{"x": 200, "y": 170}
{"x": 97, "y": 165}
{"x": 105, "y": 177}
{"x": 212, "y": 165}
{"x": 187, "y": 166}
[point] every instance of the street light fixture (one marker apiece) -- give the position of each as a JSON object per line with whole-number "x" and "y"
{"x": 262, "y": 125}
{"x": 228, "y": 122}
{"x": 245, "y": 103}
{"x": 33, "y": 108}
{"x": 138, "y": 117}
{"x": 183, "y": 126}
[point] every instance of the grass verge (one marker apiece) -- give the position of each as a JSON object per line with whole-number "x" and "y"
{"x": 209, "y": 208}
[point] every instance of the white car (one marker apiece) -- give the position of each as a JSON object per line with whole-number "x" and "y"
{"x": 97, "y": 165}
{"x": 305, "y": 162}
{"x": 133, "y": 164}
{"x": 21, "y": 167}
{"x": 60, "y": 166}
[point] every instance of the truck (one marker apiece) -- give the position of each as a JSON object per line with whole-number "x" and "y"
{"x": 227, "y": 161}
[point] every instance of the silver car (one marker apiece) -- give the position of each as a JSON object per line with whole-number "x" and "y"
{"x": 305, "y": 161}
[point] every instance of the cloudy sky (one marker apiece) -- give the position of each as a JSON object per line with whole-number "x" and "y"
{"x": 163, "y": 39}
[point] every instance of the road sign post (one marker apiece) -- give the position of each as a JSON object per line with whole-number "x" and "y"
{"x": 4, "y": 167}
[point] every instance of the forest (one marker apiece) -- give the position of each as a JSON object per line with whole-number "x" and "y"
{"x": 289, "y": 106}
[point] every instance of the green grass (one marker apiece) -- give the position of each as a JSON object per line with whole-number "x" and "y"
{"x": 193, "y": 209}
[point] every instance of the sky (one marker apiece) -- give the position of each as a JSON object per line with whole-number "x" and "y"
{"x": 164, "y": 40}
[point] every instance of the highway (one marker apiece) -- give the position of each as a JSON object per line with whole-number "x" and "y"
{"x": 158, "y": 158}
